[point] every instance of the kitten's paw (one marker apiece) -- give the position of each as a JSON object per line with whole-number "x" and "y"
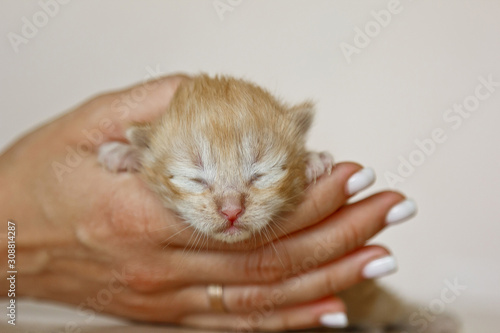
{"x": 318, "y": 164}
{"x": 118, "y": 156}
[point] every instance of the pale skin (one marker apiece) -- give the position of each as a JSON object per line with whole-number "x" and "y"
{"x": 85, "y": 233}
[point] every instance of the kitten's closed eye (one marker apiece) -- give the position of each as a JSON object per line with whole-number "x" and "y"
{"x": 256, "y": 176}
{"x": 200, "y": 181}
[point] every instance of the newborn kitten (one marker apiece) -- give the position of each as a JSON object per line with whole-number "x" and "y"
{"x": 226, "y": 156}
{"x": 230, "y": 159}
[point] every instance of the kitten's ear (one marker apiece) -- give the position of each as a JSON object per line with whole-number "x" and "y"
{"x": 138, "y": 135}
{"x": 303, "y": 115}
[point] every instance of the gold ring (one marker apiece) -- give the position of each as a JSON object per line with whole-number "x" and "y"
{"x": 215, "y": 292}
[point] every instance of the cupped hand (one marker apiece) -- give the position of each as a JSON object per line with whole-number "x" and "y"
{"x": 103, "y": 241}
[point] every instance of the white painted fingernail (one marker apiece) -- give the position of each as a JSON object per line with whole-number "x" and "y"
{"x": 401, "y": 212}
{"x": 360, "y": 180}
{"x": 380, "y": 267}
{"x": 335, "y": 320}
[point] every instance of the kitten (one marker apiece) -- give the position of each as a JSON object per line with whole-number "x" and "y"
{"x": 226, "y": 155}
{"x": 230, "y": 159}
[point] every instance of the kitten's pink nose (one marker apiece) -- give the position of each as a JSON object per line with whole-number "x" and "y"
{"x": 231, "y": 214}
{"x": 231, "y": 209}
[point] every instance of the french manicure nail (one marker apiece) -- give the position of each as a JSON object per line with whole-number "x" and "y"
{"x": 334, "y": 320}
{"x": 401, "y": 212}
{"x": 360, "y": 180}
{"x": 380, "y": 267}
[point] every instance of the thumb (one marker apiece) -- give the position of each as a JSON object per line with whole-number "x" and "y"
{"x": 106, "y": 117}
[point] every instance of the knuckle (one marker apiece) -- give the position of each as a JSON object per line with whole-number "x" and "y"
{"x": 354, "y": 236}
{"x": 136, "y": 302}
{"x": 349, "y": 237}
{"x": 266, "y": 266}
{"x": 146, "y": 308}
{"x": 250, "y": 298}
{"x": 146, "y": 280}
{"x": 329, "y": 284}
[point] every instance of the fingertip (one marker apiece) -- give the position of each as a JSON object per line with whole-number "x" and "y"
{"x": 395, "y": 206}
{"x": 332, "y": 313}
{"x": 354, "y": 176}
{"x": 347, "y": 167}
{"x": 375, "y": 261}
{"x": 359, "y": 181}
{"x": 334, "y": 320}
{"x": 402, "y": 211}
{"x": 380, "y": 267}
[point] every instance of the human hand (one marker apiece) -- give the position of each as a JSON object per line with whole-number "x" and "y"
{"x": 104, "y": 242}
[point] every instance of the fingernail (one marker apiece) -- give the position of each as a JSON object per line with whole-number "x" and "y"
{"x": 380, "y": 267}
{"x": 360, "y": 180}
{"x": 334, "y": 320}
{"x": 401, "y": 212}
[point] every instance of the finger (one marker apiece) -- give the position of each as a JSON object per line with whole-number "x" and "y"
{"x": 106, "y": 117}
{"x": 143, "y": 102}
{"x": 305, "y": 286}
{"x": 349, "y": 228}
{"x": 321, "y": 199}
{"x": 308, "y": 285}
{"x": 341, "y": 233}
{"x": 270, "y": 318}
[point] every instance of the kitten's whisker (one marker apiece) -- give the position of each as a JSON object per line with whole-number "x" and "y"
{"x": 273, "y": 246}
{"x": 189, "y": 244}
{"x": 277, "y": 224}
{"x": 280, "y": 242}
{"x": 271, "y": 225}
{"x": 178, "y": 232}
{"x": 183, "y": 251}
{"x": 203, "y": 238}
{"x": 192, "y": 247}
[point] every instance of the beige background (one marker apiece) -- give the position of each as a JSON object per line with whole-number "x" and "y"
{"x": 394, "y": 91}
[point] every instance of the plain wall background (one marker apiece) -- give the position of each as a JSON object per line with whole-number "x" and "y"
{"x": 371, "y": 109}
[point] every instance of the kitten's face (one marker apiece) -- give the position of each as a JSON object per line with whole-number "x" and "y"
{"x": 253, "y": 183}
{"x": 228, "y": 158}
